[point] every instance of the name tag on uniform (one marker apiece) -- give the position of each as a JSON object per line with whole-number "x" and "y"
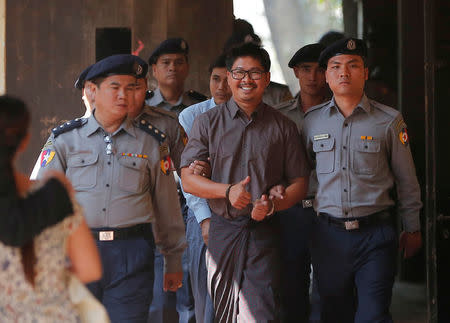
{"x": 322, "y": 136}
{"x": 106, "y": 235}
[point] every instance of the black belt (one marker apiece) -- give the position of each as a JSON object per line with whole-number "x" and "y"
{"x": 357, "y": 223}
{"x": 143, "y": 230}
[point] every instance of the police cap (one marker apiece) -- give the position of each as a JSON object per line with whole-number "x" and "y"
{"x": 122, "y": 64}
{"x": 79, "y": 83}
{"x": 169, "y": 46}
{"x": 308, "y": 53}
{"x": 347, "y": 46}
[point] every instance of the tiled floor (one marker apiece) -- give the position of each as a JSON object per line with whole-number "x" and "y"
{"x": 409, "y": 303}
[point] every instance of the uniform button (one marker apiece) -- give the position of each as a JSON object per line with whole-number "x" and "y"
{"x": 109, "y": 163}
{"x": 107, "y": 185}
{"x": 366, "y": 146}
{"x": 82, "y": 161}
{"x": 103, "y": 209}
{"x": 345, "y": 190}
{"x": 134, "y": 164}
{"x": 344, "y": 168}
{"x": 321, "y": 145}
{"x": 345, "y": 124}
{"x": 346, "y": 213}
{"x": 345, "y": 147}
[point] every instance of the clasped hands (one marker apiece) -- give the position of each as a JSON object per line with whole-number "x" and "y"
{"x": 239, "y": 197}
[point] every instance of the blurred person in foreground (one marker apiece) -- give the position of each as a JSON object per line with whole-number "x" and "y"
{"x": 33, "y": 278}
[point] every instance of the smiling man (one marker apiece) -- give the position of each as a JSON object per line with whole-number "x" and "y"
{"x": 361, "y": 152}
{"x": 115, "y": 168}
{"x": 251, "y": 148}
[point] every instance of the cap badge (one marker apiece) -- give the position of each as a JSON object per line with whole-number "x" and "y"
{"x": 183, "y": 45}
{"x": 139, "y": 70}
{"x": 351, "y": 45}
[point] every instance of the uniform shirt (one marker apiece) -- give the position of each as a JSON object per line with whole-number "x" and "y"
{"x": 198, "y": 205}
{"x": 122, "y": 189}
{"x": 360, "y": 159}
{"x": 157, "y": 100}
{"x": 162, "y": 119}
{"x": 294, "y": 111}
{"x": 267, "y": 148}
{"x": 276, "y": 93}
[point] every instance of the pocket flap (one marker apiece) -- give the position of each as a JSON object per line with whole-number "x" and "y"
{"x": 368, "y": 146}
{"x": 323, "y": 145}
{"x": 82, "y": 159}
{"x": 132, "y": 162}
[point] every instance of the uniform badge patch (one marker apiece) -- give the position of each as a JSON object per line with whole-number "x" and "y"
{"x": 46, "y": 157}
{"x": 403, "y": 136}
{"x": 167, "y": 165}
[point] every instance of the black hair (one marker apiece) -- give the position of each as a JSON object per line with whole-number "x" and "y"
{"x": 248, "y": 49}
{"x": 217, "y": 63}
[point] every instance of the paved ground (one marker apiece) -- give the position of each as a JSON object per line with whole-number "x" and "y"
{"x": 409, "y": 303}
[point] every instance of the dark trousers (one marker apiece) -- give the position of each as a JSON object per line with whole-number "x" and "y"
{"x": 296, "y": 225}
{"x": 165, "y": 305}
{"x": 355, "y": 271}
{"x": 204, "y": 310}
{"x": 127, "y": 282}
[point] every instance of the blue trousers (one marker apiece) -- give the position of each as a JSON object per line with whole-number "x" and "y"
{"x": 165, "y": 305}
{"x": 296, "y": 224}
{"x": 204, "y": 310}
{"x": 127, "y": 281}
{"x": 355, "y": 271}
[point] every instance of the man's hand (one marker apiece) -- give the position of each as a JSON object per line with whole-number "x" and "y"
{"x": 202, "y": 168}
{"x": 204, "y": 225}
{"x": 410, "y": 243}
{"x": 239, "y": 196}
{"x": 277, "y": 192}
{"x": 261, "y": 207}
{"x": 172, "y": 281}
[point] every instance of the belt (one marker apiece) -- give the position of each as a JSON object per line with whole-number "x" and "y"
{"x": 356, "y": 223}
{"x": 143, "y": 230}
{"x": 308, "y": 202}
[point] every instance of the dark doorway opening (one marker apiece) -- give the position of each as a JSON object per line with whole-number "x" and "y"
{"x": 112, "y": 41}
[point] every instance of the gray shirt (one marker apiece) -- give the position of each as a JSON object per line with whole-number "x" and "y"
{"x": 293, "y": 110}
{"x": 124, "y": 188}
{"x": 267, "y": 148}
{"x": 185, "y": 100}
{"x": 360, "y": 160}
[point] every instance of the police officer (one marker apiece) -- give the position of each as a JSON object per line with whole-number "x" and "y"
{"x": 361, "y": 151}
{"x": 170, "y": 68}
{"x": 119, "y": 170}
{"x": 296, "y": 222}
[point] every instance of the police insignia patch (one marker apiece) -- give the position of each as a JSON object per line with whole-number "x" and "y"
{"x": 403, "y": 136}
{"x": 46, "y": 157}
{"x": 351, "y": 45}
{"x": 166, "y": 165}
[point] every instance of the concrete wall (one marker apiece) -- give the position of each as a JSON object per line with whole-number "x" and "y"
{"x": 49, "y": 42}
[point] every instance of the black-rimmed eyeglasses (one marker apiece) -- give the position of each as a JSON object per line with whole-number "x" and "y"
{"x": 239, "y": 74}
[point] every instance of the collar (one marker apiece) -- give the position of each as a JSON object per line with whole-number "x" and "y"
{"x": 93, "y": 126}
{"x": 234, "y": 109}
{"x": 363, "y": 105}
{"x": 159, "y": 98}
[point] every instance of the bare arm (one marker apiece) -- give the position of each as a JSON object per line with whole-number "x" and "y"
{"x": 201, "y": 186}
{"x": 296, "y": 191}
{"x": 83, "y": 253}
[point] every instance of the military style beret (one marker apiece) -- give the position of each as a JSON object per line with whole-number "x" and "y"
{"x": 308, "y": 53}
{"x": 169, "y": 46}
{"x": 79, "y": 83}
{"x": 122, "y": 64}
{"x": 347, "y": 46}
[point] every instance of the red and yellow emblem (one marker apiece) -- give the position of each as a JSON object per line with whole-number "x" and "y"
{"x": 403, "y": 136}
{"x": 46, "y": 157}
{"x": 167, "y": 165}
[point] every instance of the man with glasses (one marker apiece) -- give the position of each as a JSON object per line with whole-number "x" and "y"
{"x": 120, "y": 171}
{"x": 251, "y": 148}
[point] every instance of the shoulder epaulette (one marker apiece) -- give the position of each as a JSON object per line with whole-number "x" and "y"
{"x": 316, "y": 107}
{"x": 197, "y": 95}
{"x": 69, "y": 125}
{"x": 285, "y": 104}
{"x": 162, "y": 111}
{"x": 152, "y": 130}
{"x": 386, "y": 109}
{"x": 149, "y": 94}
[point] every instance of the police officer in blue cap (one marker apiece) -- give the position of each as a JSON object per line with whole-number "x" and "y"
{"x": 361, "y": 151}
{"x": 170, "y": 67}
{"x": 119, "y": 170}
{"x": 296, "y": 222}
